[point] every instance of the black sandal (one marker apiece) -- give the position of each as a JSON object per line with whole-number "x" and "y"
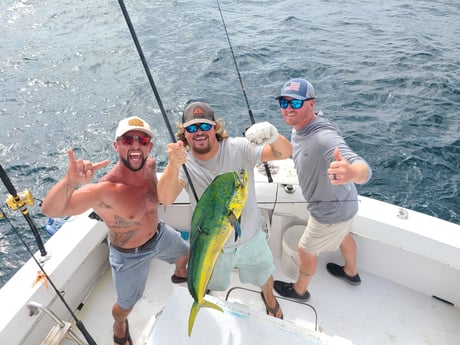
{"x": 126, "y": 338}
{"x": 271, "y": 310}
{"x": 177, "y": 280}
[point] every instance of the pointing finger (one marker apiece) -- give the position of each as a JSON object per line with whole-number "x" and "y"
{"x": 100, "y": 165}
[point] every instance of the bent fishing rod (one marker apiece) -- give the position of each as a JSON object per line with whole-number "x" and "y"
{"x": 18, "y": 201}
{"x": 251, "y": 116}
{"x": 152, "y": 85}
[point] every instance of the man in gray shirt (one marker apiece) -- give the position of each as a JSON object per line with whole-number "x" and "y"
{"x": 327, "y": 170}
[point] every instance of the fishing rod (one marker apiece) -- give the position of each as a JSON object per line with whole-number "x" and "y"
{"x": 152, "y": 85}
{"x": 251, "y": 116}
{"x": 18, "y": 201}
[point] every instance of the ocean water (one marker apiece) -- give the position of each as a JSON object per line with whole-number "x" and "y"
{"x": 387, "y": 73}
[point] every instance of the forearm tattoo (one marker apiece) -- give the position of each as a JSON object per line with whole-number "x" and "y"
{"x": 276, "y": 152}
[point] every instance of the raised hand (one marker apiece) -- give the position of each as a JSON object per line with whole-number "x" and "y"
{"x": 339, "y": 171}
{"x": 176, "y": 154}
{"x": 82, "y": 171}
{"x": 262, "y": 133}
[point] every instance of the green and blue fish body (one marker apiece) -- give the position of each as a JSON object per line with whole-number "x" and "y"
{"x": 214, "y": 219}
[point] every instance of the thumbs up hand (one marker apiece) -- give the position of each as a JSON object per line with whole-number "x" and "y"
{"x": 340, "y": 171}
{"x": 176, "y": 154}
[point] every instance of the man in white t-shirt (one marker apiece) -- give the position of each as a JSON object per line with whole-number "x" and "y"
{"x": 207, "y": 151}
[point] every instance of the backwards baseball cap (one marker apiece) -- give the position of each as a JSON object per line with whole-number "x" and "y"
{"x": 133, "y": 123}
{"x": 198, "y": 112}
{"x": 297, "y": 88}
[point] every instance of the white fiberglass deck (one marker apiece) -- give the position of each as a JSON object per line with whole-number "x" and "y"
{"x": 376, "y": 312}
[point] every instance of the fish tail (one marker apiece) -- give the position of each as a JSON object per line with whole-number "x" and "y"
{"x": 191, "y": 318}
{"x": 194, "y": 312}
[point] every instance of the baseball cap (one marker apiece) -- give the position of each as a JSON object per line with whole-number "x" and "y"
{"x": 198, "y": 112}
{"x": 297, "y": 88}
{"x": 133, "y": 123}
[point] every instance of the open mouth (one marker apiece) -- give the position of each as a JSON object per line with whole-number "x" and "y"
{"x": 135, "y": 157}
{"x": 200, "y": 138}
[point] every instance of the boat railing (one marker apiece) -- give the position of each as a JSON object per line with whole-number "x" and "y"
{"x": 59, "y": 331}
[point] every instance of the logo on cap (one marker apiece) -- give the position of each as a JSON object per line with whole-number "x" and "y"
{"x": 136, "y": 122}
{"x": 293, "y": 86}
{"x": 198, "y": 112}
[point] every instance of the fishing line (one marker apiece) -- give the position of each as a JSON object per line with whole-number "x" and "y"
{"x": 251, "y": 116}
{"x": 78, "y": 322}
{"x": 152, "y": 85}
{"x": 9, "y": 186}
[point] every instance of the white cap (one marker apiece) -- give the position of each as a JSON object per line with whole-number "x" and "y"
{"x": 133, "y": 123}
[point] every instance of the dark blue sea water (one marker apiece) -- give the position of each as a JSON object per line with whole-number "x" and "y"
{"x": 387, "y": 72}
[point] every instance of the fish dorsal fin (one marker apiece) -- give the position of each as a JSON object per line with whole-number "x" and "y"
{"x": 236, "y": 224}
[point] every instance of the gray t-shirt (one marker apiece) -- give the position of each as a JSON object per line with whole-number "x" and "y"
{"x": 313, "y": 150}
{"x": 233, "y": 154}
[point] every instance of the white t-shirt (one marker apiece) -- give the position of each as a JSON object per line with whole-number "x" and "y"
{"x": 234, "y": 153}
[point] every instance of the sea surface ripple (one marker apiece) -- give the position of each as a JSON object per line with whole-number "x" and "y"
{"x": 387, "y": 73}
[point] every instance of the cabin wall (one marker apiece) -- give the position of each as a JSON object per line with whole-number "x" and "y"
{"x": 179, "y": 216}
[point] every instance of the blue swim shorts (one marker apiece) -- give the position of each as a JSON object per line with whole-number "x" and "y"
{"x": 130, "y": 270}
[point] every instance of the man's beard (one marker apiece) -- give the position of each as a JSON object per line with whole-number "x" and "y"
{"x": 126, "y": 163}
{"x": 202, "y": 149}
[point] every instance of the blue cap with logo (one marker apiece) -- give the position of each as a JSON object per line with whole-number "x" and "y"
{"x": 297, "y": 88}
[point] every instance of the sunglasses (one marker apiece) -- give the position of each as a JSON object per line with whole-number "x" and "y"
{"x": 194, "y": 128}
{"x": 295, "y": 103}
{"x": 129, "y": 139}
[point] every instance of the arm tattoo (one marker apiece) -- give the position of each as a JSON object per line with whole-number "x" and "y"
{"x": 275, "y": 152}
{"x": 70, "y": 188}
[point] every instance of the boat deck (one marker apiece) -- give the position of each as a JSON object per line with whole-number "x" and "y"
{"x": 375, "y": 312}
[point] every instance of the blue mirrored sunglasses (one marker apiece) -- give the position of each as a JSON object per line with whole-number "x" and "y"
{"x": 194, "y": 128}
{"x": 295, "y": 103}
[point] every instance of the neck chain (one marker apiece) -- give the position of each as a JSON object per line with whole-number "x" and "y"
{"x": 209, "y": 165}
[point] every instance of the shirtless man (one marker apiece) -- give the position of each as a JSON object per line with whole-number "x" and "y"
{"x": 126, "y": 199}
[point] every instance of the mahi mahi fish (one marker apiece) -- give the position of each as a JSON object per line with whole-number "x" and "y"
{"x": 214, "y": 220}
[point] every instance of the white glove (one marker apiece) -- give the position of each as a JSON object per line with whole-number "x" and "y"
{"x": 262, "y": 133}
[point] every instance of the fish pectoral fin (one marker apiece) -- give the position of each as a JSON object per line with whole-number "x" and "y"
{"x": 236, "y": 224}
{"x": 207, "y": 304}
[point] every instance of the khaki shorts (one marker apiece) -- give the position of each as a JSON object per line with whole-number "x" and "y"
{"x": 318, "y": 237}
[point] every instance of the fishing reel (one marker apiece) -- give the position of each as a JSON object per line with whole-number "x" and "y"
{"x": 22, "y": 199}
